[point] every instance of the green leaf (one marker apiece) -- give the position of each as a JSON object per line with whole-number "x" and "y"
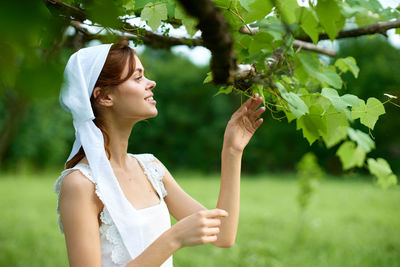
{"x": 288, "y": 10}
{"x": 329, "y": 15}
{"x": 258, "y": 9}
{"x": 208, "y": 78}
{"x": 368, "y": 113}
{"x": 351, "y": 155}
{"x": 295, "y": 103}
{"x": 187, "y": 21}
{"x": 309, "y": 24}
{"x": 366, "y": 18}
{"x": 336, "y": 126}
{"x": 129, "y": 4}
{"x": 313, "y": 124}
{"x": 373, "y": 5}
{"x": 346, "y": 64}
{"x": 381, "y": 169}
{"x": 362, "y": 139}
{"x": 312, "y": 66}
{"x": 335, "y": 99}
{"x": 104, "y": 12}
{"x": 225, "y": 90}
{"x": 261, "y": 40}
{"x": 351, "y": 100}
{"x": 154, "y": 13}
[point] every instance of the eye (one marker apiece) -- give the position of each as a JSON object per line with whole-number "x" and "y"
{"x": 138, "y": 78}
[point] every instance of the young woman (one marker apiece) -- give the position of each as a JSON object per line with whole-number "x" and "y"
{"x": 94, "y": 228}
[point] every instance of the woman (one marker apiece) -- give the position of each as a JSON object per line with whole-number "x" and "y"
{"x": 115, "y": 210}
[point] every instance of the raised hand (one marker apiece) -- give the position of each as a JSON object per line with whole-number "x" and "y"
{"x": 243, "y": 124}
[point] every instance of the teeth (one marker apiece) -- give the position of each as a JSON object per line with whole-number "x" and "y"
{"x": 150, "y": 98}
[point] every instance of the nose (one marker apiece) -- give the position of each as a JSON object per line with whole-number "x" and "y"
{"x": 151, "y": 85}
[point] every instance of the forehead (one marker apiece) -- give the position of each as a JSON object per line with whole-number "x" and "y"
{"x": 139, "y": 67}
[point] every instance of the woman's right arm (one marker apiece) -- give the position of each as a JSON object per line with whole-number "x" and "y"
{"x": 197, "y": 229}
{"x": 79, "y": 209}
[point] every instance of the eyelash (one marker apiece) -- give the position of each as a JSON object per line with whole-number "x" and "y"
{"x": 138, "y": 78}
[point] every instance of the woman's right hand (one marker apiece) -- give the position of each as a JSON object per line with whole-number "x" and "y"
{"x": 199, "y": 228}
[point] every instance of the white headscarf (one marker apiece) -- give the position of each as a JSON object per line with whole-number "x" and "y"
{"x": 81, "y": 73}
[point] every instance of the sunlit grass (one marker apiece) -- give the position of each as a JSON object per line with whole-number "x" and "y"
{"x": 348, "y": 223}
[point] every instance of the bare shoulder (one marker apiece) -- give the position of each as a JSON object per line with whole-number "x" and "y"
{"x": 76, "y": 181}
{"x": 77, "y": 187}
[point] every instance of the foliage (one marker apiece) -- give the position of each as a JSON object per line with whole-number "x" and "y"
{"x": 352, "y": 223}
{"x": 295, "y": 84}
{"x": 309, "y": 173}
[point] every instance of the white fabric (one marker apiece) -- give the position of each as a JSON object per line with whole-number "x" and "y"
{"x": 154, "y": 220}
{"x": 81, "y": 73}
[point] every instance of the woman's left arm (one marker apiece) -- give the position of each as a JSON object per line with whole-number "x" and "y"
{"x": 238, "y": 133}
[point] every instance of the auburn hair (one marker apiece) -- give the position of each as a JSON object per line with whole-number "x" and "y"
{"x": 109, "y": 78}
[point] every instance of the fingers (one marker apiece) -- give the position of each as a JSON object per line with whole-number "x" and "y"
{"x": 256, "y": 114}
{"x": 215, "y": 213}
{"x": 254, "y": 104}
{"x": 211, "y": 231}
{"x": 257, "y": 124}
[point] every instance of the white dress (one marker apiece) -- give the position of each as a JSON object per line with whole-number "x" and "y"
{"x": 154, "y": 220}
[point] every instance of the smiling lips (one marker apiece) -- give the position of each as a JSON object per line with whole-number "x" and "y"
{"x": 150, "y": 99}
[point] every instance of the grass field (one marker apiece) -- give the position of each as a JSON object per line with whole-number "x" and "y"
{"x": 348, "y": 223}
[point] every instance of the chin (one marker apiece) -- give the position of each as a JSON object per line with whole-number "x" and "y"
{"x": 153, "y": 114}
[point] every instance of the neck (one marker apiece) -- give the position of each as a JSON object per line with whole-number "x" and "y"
{"x": 119, "y": 131}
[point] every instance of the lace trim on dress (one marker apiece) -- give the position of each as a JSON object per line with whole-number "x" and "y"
{"x": 154, "y": 171}
{"x": 119, "y": 253}
{"x": 85, "y": 170}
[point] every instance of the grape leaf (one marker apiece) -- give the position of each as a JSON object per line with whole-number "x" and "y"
{"x": 366, "y": 18}
{"x": 368, "y": 113}
{"x": 311, "y": 65}
{"x": 154, "y": 13}
{"x": 261, "y": 40}
{"x": 335, "y": 99}
{"x": 381, "y": 169}
{"x": 346, "y": 64}
{"x": 258, "y": 9}
{"x": 187, "y": 21}
{"x": 288, "y": 10}
{"x": 208, "y": 78}
{"x": 351, "y": 100}
{"x": 336, "y": 126}
{"x": 313, "y": 124}
{"x": 328, "y": 13}
{"x": 224, "y": 90}
{"x": 295, "y": 103}
{"x": 351, "y": 155}
{"x": 362, "y": 139}
{"x": 309, "y": 24}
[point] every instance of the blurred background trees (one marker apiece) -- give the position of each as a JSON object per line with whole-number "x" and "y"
{"x": 36, "y": 133}
{"x": 189, "y": 129}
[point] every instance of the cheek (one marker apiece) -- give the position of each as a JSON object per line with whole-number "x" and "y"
{"x": 129, "y": 98}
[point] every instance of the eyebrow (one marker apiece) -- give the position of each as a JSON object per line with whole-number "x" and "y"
{"x": 139, "y": 70}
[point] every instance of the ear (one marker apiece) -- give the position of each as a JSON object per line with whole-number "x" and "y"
{"x": 102, "y": 98}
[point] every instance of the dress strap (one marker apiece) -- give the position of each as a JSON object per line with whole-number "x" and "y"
{"x": 85, "y": 170}
{"x": 153, "y": 170}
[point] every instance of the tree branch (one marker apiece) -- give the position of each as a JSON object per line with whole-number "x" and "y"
{"x": 379, "y": 27}
{"x": 217, "y": 38}
{"x": 297, "y": 43}
{"x": 215, "y": 31}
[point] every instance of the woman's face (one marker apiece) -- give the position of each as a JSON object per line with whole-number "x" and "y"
{"x": 133, "y": 99}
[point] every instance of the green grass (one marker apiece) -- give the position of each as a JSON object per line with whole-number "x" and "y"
{"x": 348, "y": 223}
